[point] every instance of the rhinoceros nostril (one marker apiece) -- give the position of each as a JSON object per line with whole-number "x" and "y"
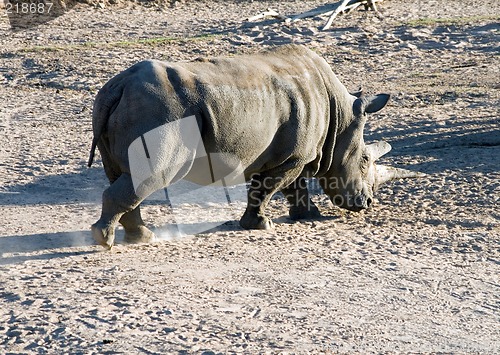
{"x": 362, "y": 202}
{"x": 368, "y": 202}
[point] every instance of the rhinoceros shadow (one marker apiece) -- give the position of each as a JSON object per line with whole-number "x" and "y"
{"x": 44, "y": 246}
{"x": 175, "y": 231}
{"x": 84, "y": 186}
{"x": 469, "y": 146}
{"x": 460, "y": 146}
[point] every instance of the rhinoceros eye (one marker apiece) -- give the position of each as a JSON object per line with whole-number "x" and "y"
{"x": 364, "y": 163}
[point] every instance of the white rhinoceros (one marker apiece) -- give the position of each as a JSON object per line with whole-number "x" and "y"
{"x": 281, "y": 115}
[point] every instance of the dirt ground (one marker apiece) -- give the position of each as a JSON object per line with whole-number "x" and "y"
{"x": 417, "y": 272}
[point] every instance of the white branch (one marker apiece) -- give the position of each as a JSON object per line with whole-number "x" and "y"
{"x": 351, "y": 7}
{"x": 332, "y": 10}
{"x": 326, "y": 11}
{"x": 268, "y": 13}
{"x": 329, "y": 10}
{"x": 337, "y": 11}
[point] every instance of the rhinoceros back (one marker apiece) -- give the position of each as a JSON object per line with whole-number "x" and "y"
{"x": 262, "y": 109}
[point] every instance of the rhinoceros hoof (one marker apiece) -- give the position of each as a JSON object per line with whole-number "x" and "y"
{"x": 297, "y": 213}
{"x": 104, "y": 236}
{"x": 140, "y": 235}
{"x": 257, "y": 222}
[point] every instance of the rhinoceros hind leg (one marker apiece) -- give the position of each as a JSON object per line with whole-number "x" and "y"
{"x": 103, "y": 234}
{"x": 135, "y": 229}
{"x": 140, "y": 235}
{"x": 301, "y": 206}
{"x": 118, "y": 199}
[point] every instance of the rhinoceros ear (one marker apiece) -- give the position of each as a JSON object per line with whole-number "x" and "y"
{"x": 371, "y": 104}
{"x": 376, "y": 150}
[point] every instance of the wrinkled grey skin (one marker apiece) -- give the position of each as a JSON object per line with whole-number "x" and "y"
{"x": 282, "y": 113}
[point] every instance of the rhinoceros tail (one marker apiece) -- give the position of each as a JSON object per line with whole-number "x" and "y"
{"x": 92, "y": 151}
{"x": 105, "y": 103}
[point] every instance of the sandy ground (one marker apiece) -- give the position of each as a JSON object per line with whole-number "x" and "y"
{"x": 418, "y": 272}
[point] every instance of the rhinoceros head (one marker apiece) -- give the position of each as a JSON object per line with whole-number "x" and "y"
{"x": 354, "y": 177}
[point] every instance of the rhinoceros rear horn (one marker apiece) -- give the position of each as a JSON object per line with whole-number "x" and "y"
{"x": 376, "y": 150}
{"x": 387, "y": 173}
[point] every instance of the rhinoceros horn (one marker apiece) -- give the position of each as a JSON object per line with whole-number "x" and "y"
{"x": 387, "y": 173}
{"x": 376, "y": 150}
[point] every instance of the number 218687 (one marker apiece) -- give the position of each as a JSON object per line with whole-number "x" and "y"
{"x": 28, "y": 8}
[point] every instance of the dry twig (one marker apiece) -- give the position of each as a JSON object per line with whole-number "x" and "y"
{"x": 337, "y": 11}
{"x": 333, "y": 10}
{"x": 268, "y": 13}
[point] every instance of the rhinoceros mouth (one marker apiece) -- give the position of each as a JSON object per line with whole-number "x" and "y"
{"x": 356, "y": 204}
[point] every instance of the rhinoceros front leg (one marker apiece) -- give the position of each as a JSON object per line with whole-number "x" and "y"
{"x": 258, "y": 198}
{"x": 119, "y": 203}
{"x": 301, "y": 205}
{"x": 262, "y": 188}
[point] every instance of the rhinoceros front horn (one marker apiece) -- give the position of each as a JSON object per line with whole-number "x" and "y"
{"x": 387, "y": 173}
